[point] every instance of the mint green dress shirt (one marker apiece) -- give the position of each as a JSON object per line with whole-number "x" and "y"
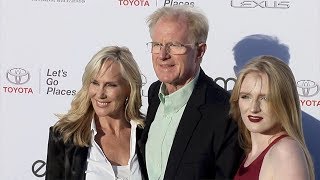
{"x": 164, "y": 127}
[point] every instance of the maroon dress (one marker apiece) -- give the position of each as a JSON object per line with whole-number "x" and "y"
{"x": 252, "y": 171}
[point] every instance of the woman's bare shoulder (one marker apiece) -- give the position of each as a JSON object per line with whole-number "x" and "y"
{"x": 287, "y": 160}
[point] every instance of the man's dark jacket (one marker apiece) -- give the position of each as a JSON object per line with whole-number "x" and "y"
{"x": 205, "y": 145}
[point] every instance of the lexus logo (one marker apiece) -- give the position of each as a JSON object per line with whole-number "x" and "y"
{"x": 18, "y": 76}
{"x": 307, "y": 88}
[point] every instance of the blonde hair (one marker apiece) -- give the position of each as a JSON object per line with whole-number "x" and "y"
{"x": 283, "y": 100}
{"x": 75, "y": 124}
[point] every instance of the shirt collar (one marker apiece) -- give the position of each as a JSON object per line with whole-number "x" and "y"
{"x": 93, "y": 127}
{"x": 173, "y": 102}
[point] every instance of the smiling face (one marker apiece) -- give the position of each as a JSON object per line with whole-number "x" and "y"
{"x": 174, "y": 70}
{"x": 254, "y": 104}
{"x": 108, "y": 91}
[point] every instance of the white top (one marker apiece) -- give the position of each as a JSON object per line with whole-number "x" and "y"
{"x": 100, "y": 168}
{"x": 122, "y": 172}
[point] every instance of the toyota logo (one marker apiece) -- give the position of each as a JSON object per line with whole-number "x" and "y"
{"x": 18, "y": 76}
{"x": 307, "y": 88}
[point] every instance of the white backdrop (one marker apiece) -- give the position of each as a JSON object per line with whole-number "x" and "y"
{"x": 45, "y": 45}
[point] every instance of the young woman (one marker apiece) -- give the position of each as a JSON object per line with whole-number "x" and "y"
{"x": 266, "y": 106}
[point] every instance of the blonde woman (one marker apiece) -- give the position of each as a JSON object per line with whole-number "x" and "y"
{"x": 97, "y": 138}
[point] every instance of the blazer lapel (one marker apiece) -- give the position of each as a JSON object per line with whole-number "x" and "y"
{"x": 188, "y": 123}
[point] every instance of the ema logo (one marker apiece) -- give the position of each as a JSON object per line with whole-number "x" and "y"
{"x": 18, "y": 76}
{"x": 38, "y": 168}
{"x": 144, "y": 82}
{"x": 225, "y": 82}
{"x": 307, "y": 88}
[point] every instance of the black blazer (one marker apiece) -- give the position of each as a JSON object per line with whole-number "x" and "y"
{"x": 206, "y": 142}
{"x": 69, "y": 162}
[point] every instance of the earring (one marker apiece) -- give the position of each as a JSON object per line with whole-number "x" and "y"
{"x": 126, "y": 101}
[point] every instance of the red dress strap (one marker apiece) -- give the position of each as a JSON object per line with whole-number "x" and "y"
{"x": 253, "y": 170}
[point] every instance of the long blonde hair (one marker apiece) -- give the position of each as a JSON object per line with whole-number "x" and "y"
{"x": 283, "y": 98}
{"x": 75, "y": 124}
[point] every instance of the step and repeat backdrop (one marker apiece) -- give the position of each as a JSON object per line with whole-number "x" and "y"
{"x": 45, "y": 45}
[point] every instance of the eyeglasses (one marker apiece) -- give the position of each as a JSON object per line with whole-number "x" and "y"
{"x": 171, "y": 48}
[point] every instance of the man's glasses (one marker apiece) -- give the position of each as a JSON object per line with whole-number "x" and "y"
{"x": 171, "y": 48}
